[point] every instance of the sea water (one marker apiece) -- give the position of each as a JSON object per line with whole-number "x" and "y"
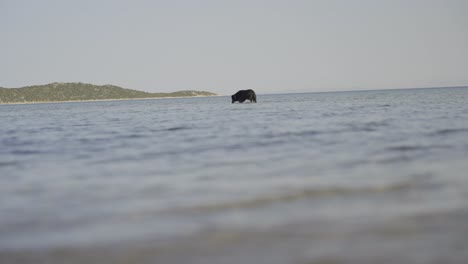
{"x": 339, "y": 177}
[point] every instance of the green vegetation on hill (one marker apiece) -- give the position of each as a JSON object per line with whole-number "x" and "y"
{"x": 57, "y": 92}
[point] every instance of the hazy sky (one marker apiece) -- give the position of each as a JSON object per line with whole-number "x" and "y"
{"x": 223, "y": 46}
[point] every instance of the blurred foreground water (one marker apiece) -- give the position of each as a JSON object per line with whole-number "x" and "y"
{"x": 346, "y": 177}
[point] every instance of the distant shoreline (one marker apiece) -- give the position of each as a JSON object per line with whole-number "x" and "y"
{"x": 106, "y": 100}
{"x": 83, "y": 92}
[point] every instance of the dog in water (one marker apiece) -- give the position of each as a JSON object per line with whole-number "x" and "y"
{"x": 243, "y": 95}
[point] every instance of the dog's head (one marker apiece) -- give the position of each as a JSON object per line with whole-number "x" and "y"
{"x": 234, "y": 98}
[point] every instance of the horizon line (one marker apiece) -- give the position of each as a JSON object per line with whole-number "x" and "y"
{"x": 273, "y": 93}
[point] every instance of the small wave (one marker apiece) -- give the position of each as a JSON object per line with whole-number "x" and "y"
{"x": 94, "y": 140}
{"x": 131, "y": 136}
{"x": 301, "y": 194}
{"x": 448, "y": 131}
{"x": 409, "y": 148}
{"x": 11, "y": 132}
{"x": 369, "y": 126}
{"x": 25, "y": 152}
{"x": 8, "y": 164}
{"x": 406, "y": 153}
{"x": 51, "y": 128}
{"x": 16, "y": 142}
{"x": 405, "y": 148}
{"x": 82, "y": 125}
{"x": 398, "y": 159}
{"x": 303, "y": 133}
{"x": 177, "y": 128}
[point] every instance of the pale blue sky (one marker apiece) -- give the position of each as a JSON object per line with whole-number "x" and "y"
{"x": 223, "y": 46}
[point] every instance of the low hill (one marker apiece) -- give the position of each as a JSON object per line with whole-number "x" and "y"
{"x": 58, "y": 92}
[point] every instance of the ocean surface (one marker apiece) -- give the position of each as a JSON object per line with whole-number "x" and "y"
{"x": 341, "y": 177}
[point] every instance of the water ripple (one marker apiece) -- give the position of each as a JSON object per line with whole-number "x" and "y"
{"x": 300, "y": 194}
{"x": 449, "y": 131}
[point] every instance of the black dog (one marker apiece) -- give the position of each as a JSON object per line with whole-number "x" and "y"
{"x": 243, "y": 95}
